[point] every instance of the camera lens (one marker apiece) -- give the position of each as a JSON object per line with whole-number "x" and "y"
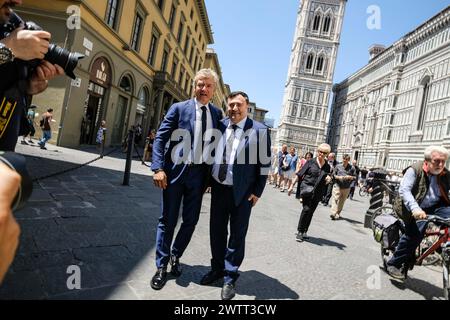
{"x": 64, "y": 58}
{"x": 18, "y": 163}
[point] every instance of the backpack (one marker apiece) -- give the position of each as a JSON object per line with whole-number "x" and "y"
{"x": 386, "y": 230}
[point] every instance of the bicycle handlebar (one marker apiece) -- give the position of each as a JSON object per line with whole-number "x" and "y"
{"x": 438, "y": 219}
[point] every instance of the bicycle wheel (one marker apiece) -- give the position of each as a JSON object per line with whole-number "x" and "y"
{"x": 446, "y": 280}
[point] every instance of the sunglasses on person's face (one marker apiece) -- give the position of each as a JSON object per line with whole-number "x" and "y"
{"x": 324, "y": 153}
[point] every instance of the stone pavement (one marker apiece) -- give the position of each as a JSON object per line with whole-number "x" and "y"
{"x": 86, "y": 218}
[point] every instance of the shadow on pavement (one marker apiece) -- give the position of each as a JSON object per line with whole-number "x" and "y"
{"x": 424, "y": 288}
{"x": 82, "y": 218}
{"x": 250, "y": 283}
{"x": 324, "y": 242}
{"x": 350, "y": 220}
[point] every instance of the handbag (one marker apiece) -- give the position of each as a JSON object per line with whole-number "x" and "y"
{"x": 306, "y": 190}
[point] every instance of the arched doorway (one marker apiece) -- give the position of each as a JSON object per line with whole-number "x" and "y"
{"x": 94, "y": 110}
{"x": 119, "y": 125}
{"x": 142, "y": 106}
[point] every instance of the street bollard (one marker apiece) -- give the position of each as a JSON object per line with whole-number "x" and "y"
{"x": 126, "y": 178}
{"x": 377, "y": 195}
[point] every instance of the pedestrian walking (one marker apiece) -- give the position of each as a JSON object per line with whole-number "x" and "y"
{"x": 343, "y": 175}
{"x": 45, "y": 125}
{"x": 315, "y": 176}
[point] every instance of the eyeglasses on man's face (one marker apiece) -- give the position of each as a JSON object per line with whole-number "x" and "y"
{"x": 438, "y": 161}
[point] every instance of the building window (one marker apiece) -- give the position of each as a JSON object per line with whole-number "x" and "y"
{"x": 180, "y": 31}
{"x": 153, "y": 49}
{"x": 165, "y": 57}
{"x": 137, "y": 32}
{"x": 319, "y": 65}
{"x": 316, "y": 23}
{"x": 161, "y": 5}
{"x": 326, "y": 24}
{"x": 195, "y": 63}
{"x": 423, "y": 104}
{"x": 174, "y": 67}
{"x": 112, "y": 13}
{"x": 182, "y": 72}
{"x": 173, "y": 12}
{"x": 191, "y": 55}
{"x": 186, "y": 43}
{"x": 309, "y": 61}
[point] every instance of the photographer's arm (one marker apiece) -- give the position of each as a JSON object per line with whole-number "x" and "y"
{"x": 27, "y": 45}
{"x": 9, "y": 229}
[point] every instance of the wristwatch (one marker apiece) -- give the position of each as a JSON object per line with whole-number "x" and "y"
{"x": 6, "y": 55}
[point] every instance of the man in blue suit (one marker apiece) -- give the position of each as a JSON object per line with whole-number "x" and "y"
{"x": 182, "y": 173}
{"x": 239, "y": 178}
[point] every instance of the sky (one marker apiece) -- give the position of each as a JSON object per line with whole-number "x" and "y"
{"x": 253, "y": 40}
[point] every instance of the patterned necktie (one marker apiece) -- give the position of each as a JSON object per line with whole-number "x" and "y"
{"x": 223, "y": 170}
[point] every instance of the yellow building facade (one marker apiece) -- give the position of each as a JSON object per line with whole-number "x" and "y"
{"x": 140, "y": 58}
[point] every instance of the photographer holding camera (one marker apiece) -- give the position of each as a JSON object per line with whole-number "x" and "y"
{"x": 9, "y": 229}
{"x": 20, "y": 78}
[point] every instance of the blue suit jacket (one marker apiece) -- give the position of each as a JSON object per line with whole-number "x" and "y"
{"x": 180, "y": 116}
{"x": 250, "y": 177}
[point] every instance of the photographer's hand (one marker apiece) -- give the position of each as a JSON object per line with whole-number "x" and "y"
{"x": 39, "y": 81}
{"x": 28, "y": 45}
{"x": 9, "y": 229}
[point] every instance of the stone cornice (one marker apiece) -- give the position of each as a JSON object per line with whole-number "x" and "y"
{"x": 425, "y": 30}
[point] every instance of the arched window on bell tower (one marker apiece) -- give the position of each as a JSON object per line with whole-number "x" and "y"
{"x": 319, "y": 64}
{"x": 316, "y": 23}
{"x": 326, "y": 24}
{"x": 309, "y": 62}
{"x": 425, "y": 89}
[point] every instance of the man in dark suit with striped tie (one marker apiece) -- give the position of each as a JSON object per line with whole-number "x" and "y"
{"x": 239, "y": 178}
{"x": 182, "y": 172}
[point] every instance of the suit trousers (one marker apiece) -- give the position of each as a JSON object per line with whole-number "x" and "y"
{"x": 228, "y": 257}
{"x": 188, "y": 189}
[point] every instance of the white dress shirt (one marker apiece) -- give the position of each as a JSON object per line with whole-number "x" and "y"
{"x": 219, "y": 155}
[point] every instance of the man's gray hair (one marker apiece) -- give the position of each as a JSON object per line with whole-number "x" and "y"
{"x": 206, "y": 73}
{"x": 432, "y": 149}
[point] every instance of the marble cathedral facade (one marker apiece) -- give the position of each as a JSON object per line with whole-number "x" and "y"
{"x": 388, "y": 112}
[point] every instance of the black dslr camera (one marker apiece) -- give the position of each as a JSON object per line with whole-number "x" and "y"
{"x": 17, "y": 163}
{"x": 55, "y": 55}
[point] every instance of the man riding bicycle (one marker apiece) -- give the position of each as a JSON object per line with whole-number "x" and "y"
{"x": 423, "y": 191}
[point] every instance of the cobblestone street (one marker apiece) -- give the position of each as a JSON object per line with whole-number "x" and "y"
{"x": 87, "y": 218}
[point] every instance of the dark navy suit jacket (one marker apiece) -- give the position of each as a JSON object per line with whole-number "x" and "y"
{"x": 250, "y": 177}
{"x": 180, "y": 116}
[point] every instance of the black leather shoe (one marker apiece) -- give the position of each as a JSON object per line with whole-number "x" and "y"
{"x": 228, "y": 291}
{"x": 175, "y": 267}
{"x": 299, "y": 237}
{"x": 159, "y": 279}
{"x": 211, "y": 277}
